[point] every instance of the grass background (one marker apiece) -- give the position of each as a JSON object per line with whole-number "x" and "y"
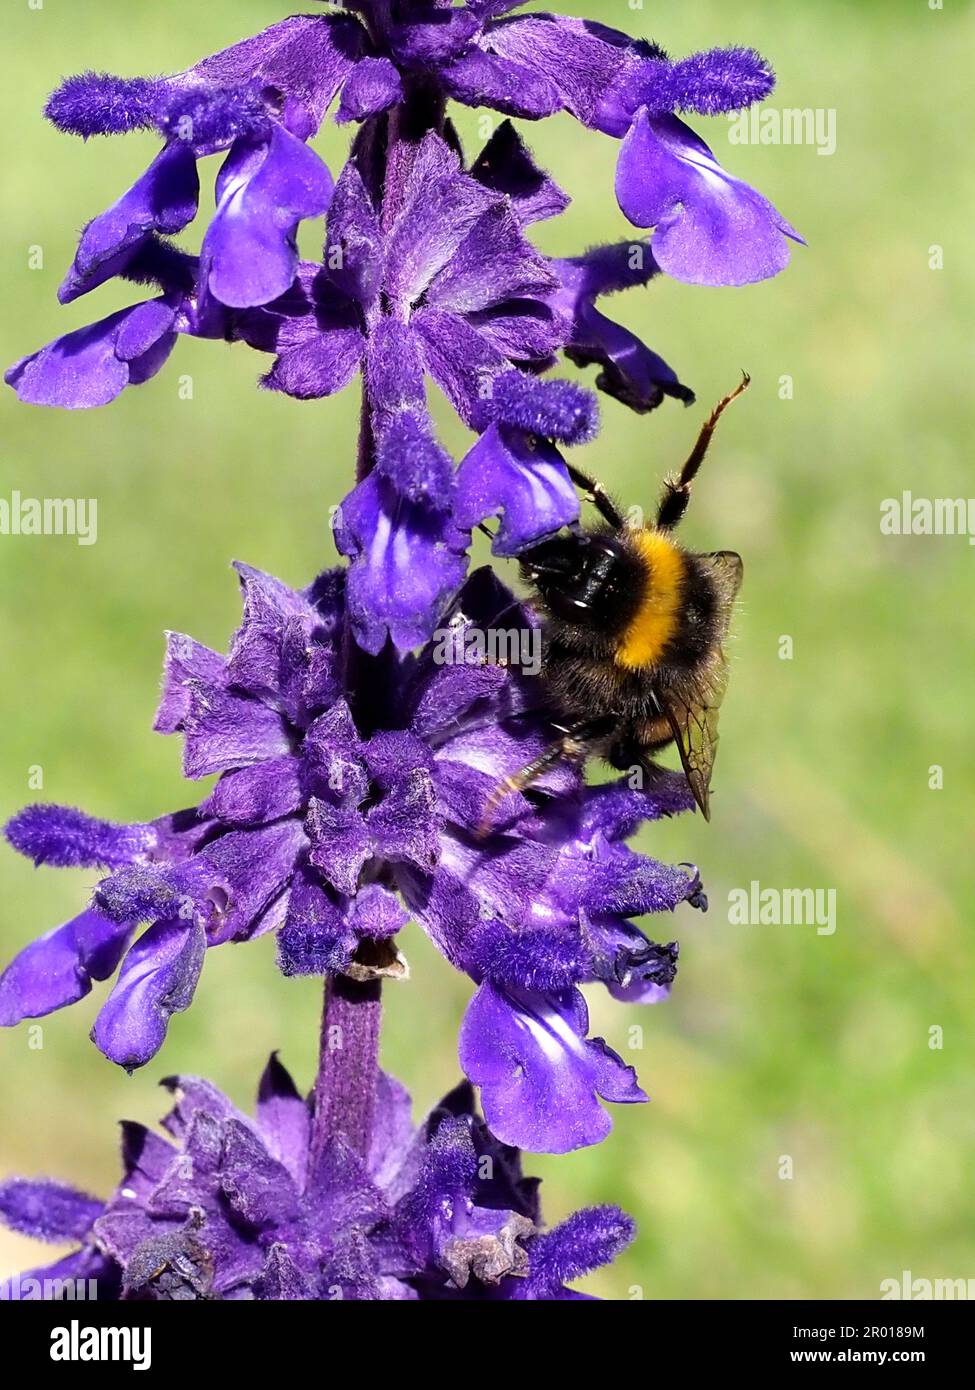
{"x": 777, "y": 1041}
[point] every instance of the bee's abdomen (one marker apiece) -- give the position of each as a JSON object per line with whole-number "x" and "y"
{"x": 584, "y": 687}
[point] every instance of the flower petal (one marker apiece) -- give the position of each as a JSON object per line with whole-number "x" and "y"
{"x": 265, "y": 188}
{"x": 186, "y": 661}
{"x": 93, "y": 365}
{"x": 524, "y": 479}
{"x": 70, "y": 839}
{"x": 480, "y": 78}
{"x": 255, "y": 795}
{"x": 224, "y": 731}
{"x": 462, "y": 361}
{"x": 506, "y": 165}
{"x": 163, "y": 200}
{"x": 441, "y": 206}
{"x": 317, "y": 937}
{"x": 552, "y": 409}
{"x": 493, "y": 263}
{"x": 58, "y": 968}
{"x": 354, "y": 253}
{"x": 540, "y": 1078}
{"x": 284, "y": 1119}
{"x": 711, "y": 229}
{"x": 631, "y": 371}
{"x": 579, "y": 57}
{"x": 407, "y": 561}
{"x": 157, "y": 979}
{"x": 373, "y": 85}
{"x": 306, "y": 57}
{"x": 578, "y": 1245}
{"x": 47, "y": 1210}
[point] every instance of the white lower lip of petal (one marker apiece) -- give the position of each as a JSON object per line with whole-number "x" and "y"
{"x": 551, "y": 1032}
{"x": 380, "y": 540}
{"x": 712, "y": 174}
{"x": 478, "y": 759}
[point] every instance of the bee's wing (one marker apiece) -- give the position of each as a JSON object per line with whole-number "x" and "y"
{"x": 692, "y": 706}
{"x": 692, "y": 713}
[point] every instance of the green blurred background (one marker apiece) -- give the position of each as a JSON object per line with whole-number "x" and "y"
{"x": 777, "y": 1042}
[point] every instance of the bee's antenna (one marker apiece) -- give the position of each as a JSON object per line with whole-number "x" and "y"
{"x": 598, "y": 496}
{"x": 677, "y": 491}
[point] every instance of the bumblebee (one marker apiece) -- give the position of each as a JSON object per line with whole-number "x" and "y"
{"x": 634, "y": 628}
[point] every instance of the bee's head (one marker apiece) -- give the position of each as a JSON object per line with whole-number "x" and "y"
{"x": 580, "y": 576}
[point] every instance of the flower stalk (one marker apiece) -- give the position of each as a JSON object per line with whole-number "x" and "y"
{"x": 348, "y": 1064}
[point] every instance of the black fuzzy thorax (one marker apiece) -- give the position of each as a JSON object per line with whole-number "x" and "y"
{"x": 610, "y": 576}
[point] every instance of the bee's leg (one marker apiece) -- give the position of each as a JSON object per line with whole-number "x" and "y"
{"x": 677, "y": 491}
{"x": 574, "y": 745}
{"x": 598, "y": 496}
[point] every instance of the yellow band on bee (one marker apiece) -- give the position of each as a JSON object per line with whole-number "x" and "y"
{"x": 656, "y": 620}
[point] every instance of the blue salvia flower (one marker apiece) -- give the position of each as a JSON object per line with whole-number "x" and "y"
{"x": 355, "y": 763}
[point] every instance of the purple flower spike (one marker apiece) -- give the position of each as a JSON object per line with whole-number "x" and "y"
{"x": 264, "y": 190}
{"x": 222, "y": 1206}
{"x": 383, "y": 744}
{"x": 94, "y": 365}
{"x": 540, "y": 1077}
{"x": 711, "y": 229}
{"x": 330, "y": 837}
